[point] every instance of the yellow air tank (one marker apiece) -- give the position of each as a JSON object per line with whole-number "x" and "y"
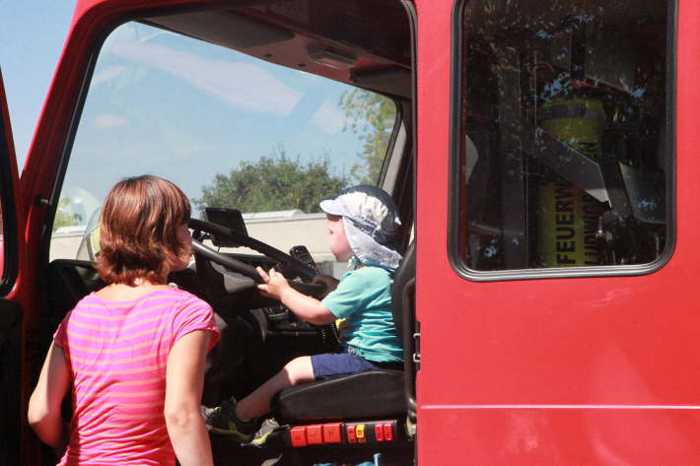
{"x": 567, "y": 217}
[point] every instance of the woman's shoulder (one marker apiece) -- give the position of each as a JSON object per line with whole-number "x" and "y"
{"x": 190, "y": 303}
{"x": 185, "y": 295}
{"x": 165, "y": 295}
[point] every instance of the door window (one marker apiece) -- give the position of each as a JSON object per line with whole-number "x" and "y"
{"x": 564, "y": 135}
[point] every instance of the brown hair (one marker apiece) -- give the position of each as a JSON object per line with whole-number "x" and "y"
{"x": 138, "y": 230}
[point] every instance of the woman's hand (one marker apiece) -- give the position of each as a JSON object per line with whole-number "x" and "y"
{"x": 274, "y": 284}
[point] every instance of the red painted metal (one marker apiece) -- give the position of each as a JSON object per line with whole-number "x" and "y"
{"x": 568, "y": 371}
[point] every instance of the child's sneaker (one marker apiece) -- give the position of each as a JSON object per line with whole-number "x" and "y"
{"x": 222, "y": 419}
{"x": 268, "y": 426}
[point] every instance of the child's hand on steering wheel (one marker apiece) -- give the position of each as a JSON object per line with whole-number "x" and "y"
{"x": 274, "y": 283}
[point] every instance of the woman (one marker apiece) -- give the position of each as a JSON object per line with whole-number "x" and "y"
{"x": 133, "y": 353}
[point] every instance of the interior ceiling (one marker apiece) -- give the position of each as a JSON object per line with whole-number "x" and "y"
{"x": 367, "y": 44}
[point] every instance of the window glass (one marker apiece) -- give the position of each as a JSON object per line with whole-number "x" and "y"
{"x": 7, "y": 240}
{"x": 564, "y": 147}
{"x": 231, "y": 130}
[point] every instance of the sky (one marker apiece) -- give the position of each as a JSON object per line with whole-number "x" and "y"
{"x": 168, "y": 105}
{"x": 32, "y": 33}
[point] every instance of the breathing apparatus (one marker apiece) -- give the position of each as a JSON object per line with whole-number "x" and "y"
{"x": 568, "y": 218}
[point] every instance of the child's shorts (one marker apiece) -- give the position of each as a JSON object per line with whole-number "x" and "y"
{"x": 329, "y": 365}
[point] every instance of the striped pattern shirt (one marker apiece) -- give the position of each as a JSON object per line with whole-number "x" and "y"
{"x": 117, "y": 353}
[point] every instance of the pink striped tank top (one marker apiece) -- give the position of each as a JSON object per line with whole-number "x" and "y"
{"x": 117, "y": 353}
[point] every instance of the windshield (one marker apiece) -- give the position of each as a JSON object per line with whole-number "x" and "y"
{"x": 231, "y": 130}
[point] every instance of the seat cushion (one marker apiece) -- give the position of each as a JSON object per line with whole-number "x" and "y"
{"x": 367, "y": 395}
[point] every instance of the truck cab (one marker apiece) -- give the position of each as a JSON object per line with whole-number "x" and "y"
{"x": 540, "y": 153}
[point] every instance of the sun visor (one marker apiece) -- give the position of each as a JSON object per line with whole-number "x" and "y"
{"x": 216, "y": 26}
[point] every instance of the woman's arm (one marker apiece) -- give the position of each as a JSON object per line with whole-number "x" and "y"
{"x": 305, "y": 307}
{"x": 183, "y": 394}
{"x": 44, "y": 413}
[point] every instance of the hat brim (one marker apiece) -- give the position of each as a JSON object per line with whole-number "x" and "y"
{"x": 333, "y": 207}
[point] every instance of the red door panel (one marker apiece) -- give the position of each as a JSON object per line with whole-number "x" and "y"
{"x": 553, "y": 371}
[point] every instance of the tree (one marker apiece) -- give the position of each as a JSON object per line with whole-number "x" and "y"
{"x": 64, "y": 217}
{"x": 274, "y": 182}
{"x": 372, "y": 116}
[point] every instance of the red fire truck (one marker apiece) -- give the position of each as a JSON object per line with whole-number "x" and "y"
{"x": 541, "y": 153}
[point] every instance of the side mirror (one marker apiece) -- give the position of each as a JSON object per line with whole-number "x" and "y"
{"x": 229, "y": 218}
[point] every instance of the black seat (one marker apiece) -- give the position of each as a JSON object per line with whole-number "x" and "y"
{"x": 367, "y": 395}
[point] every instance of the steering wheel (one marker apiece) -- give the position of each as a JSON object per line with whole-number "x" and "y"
{"x": 291, "y": 264}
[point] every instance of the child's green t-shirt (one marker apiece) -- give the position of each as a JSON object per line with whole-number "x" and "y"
{"x": 363, "y": 299}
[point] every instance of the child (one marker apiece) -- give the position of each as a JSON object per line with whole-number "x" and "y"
{"x": 363, "y": 228}
{"x": 132, "y": 355}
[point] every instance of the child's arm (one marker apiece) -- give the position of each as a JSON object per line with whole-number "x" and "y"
{"x": 305, "y": 307}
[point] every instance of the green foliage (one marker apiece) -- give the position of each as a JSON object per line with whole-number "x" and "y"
{"x": 275, "y": 182}
{"x": 372, "y": 116}
{"x": 64, "y": 218}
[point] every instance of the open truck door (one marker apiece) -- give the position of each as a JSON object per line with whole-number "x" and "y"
{"x": 10, "y": 310}
{"x": 556, "y": 296}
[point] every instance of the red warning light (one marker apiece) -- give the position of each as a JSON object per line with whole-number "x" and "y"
{"x": 314, "y": 434}
{"x": 379, "y": 432}
{"x": 350, "y": 431}
{"x": 331, "y": 433}
{"x": 298, "y": 436}
{"x": 388, "y": 432}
